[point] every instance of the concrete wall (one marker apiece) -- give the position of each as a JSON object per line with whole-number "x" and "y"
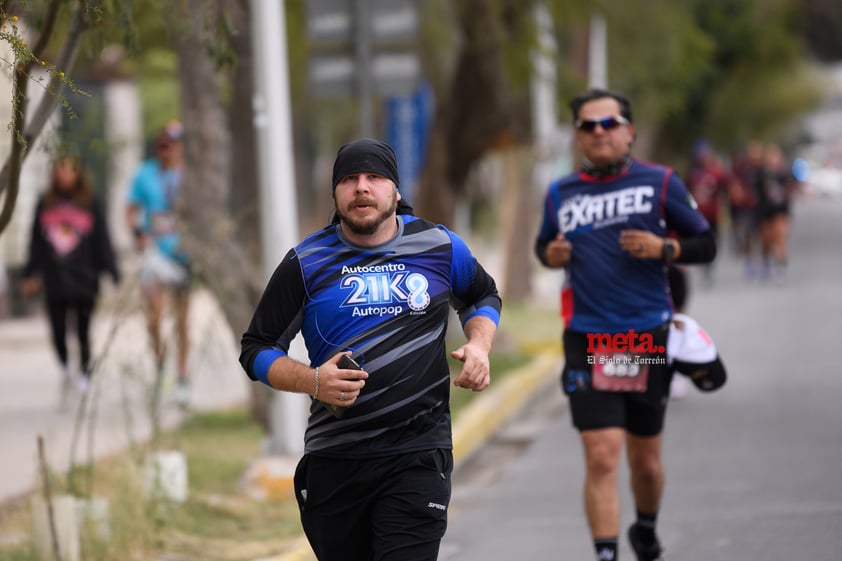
{"x": 124, "y": 137}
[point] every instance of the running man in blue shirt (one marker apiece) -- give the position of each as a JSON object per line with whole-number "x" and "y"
{"x": 376, "y": 286}
{"x": 608, "y": 226}
{"x": 165, "y": 267}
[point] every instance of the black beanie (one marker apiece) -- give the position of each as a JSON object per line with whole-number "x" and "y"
{"x": 363, "y": 155}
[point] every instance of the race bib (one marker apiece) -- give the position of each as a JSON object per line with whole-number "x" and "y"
{"x": 618, "y": 372}
{"x": 163, "y": 223}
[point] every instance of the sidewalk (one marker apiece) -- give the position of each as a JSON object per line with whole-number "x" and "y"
{"x": 30, "y": 388}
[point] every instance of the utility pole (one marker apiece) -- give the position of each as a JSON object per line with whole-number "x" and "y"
{"x": 279, "y": 208}
{"x": 598, "y": 52}
{"x": 364, "y": 80}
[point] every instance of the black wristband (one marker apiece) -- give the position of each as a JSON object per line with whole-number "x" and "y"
{"x": 138, "y": 232}
{"x": 698, "y": 249}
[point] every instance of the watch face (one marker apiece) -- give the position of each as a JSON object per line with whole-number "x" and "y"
{"x": 669, "y": 250}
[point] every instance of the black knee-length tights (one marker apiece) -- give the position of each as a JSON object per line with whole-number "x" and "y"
{"x": 57, "y": 310}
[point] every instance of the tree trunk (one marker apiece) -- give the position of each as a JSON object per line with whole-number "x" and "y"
{"x": 435, "y": 198}
{"x": 211, "y": 236}
{"x": 517, "y": 219}
{"x": 476, "y": 112}
{"x": 246, "y": 193}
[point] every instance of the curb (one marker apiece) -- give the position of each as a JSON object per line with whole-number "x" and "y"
{"x": 486, "y": 414}
{"x": 477, "y": 423}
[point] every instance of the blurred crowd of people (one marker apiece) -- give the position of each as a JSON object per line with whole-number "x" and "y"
{"x": 751, "y": 193}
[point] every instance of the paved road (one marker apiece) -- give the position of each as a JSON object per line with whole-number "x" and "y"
{"x": 29, "y": 388}
{"x": 753, "y": 471}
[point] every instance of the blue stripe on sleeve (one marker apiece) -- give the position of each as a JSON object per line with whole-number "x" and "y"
{"x": 485, "y": 311}
{"x": 263, "y": 361}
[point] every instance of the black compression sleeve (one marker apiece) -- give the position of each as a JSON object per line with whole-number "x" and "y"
{"x": 541, "y": 251}
{"x": 276, "y": 318}
{"x": 698, "y": 249}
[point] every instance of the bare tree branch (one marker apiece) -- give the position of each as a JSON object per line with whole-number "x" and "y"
{"x": 24, "y": 134}
{"x": 17, "y": 152}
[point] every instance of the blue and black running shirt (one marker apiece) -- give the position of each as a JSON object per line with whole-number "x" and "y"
{"x": 606, "y": 290}
{"x": 389, "y": 305}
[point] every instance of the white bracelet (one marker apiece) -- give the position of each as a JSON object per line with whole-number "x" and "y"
{"x": 316, "y": 384}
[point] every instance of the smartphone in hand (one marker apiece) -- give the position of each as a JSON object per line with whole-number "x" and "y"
{"x": 346, "y": 363}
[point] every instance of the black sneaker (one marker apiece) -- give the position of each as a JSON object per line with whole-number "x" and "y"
{"x": 644, "y": 552}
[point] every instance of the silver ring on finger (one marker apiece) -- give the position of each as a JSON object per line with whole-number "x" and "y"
{"x": 341, "y": 395}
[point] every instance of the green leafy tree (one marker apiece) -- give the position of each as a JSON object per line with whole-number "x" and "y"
{"x": 760, "y": 81}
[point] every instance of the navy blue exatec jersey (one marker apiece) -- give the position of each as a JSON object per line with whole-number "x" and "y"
{"x": 605, "y": 289}
{"x": 389, "y": 305}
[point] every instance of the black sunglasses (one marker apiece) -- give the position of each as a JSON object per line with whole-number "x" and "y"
{"x": 607, "y": 123}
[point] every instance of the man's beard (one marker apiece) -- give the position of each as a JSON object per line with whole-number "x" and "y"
{"x": 368, "y": 226}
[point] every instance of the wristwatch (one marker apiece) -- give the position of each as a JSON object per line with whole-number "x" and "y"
{"x": 668, "y": 252}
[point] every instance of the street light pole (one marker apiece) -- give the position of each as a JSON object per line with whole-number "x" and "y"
{"x": 362, "y": 44}
{"x": 598, "y": 52}
{"x": 279, "y": 224}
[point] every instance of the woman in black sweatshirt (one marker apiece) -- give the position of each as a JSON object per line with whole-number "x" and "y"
{"x": 69, "y": 248}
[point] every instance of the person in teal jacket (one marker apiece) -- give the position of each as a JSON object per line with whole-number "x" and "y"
{"x": 165, "y": 266}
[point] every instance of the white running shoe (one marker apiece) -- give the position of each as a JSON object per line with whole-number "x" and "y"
{"x": 182, "y": 393}
{"x": 82, "y": 384}
{"x": 65, "y": 391}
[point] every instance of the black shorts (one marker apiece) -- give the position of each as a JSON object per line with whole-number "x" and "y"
{"x": 391, "y": 508}
{"x": 640, "y": 413}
